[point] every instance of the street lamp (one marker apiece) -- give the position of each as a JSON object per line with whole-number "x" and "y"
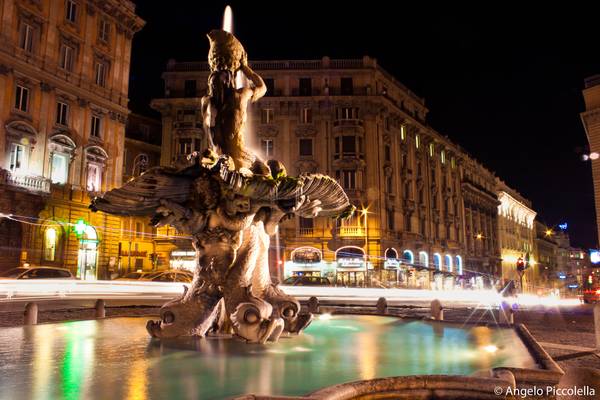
{"x": 364, "y": 212}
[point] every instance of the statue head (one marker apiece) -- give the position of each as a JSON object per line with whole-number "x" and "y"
{"x": 226, "y": 52}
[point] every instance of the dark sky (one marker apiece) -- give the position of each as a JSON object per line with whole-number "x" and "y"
{"x": 505, "y": 83}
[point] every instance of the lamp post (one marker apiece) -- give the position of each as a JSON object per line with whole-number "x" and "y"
{"x": 364, "y": 213}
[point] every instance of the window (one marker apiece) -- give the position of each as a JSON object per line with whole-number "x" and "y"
{"x": 431, "y": 149}
{"x": 453, "y": 162}
{"x": 62, "y": 113}
{"x": 17, "y": 158}
{"x": 100, "y": 73}
{"x": 67, "y": 55}
{"x": 190, "y": 88}
{"x": 389, "y": 184}
{"x": 306, "y": 223}
{"x": 404, "y": 160}
{"x": 390, "y": 220}
{"x": 346, "y": 87}
{"x": 386, "y": 123}
{"x": 60, "y": 166}
{"x": 266, "y": 145}
{"x": 349, "y": 145}
{"x": 388, "y": 153}
{"x": 347, "y": 113}
{"x": 26, "y": 37}
{"x": 95, "y": 126}
{"x": 104, "y": 30}
{"x": 305, "y": 87}
{"x": 421, "y": 196}
{"x": 347, "y": 178}
{"x": 22, "y": 98}
{"x": 139, "y": 229}
{"x": 50, "y": 237}
{"x": 306, "y": 115}
{"x": 266, "y": 116}
{"x": 94, "y": 178}
{"x": 71, "y": 11}
{"x": 417, "y": 141}
{"x": 306, "y": 147}
{"x": 270, "y": 85}
{"x": 402, "y": 132}
{"x": 443, "y": 156}
{"x": 185, "y": 146}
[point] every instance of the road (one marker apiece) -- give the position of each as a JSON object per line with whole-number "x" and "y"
{"x": 73, "y": 293}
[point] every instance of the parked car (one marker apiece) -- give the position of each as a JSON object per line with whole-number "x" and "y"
{"x": 306, "y": 281}
{"x": 137, "y": 275}
{"x": 37, "y": 273}
{"x": 171, "y": 276}
{"x": 591, "y": 295}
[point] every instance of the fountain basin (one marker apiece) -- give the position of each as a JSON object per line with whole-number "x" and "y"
{"x": 115, "y": 358}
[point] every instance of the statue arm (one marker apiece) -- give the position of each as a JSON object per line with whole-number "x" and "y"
{"x": 259, "y": 85}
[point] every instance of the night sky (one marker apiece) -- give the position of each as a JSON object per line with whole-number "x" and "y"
{"x": 503, "y": 83}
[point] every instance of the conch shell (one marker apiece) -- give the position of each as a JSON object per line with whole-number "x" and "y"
{"x": 226, "y": 52}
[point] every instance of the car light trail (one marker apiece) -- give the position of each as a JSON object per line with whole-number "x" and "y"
{"x": 21, "y": 290}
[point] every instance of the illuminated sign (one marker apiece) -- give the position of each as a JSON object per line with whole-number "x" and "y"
{"x": 350, "y": 262}
{"x": 595, "y": 256}
{"x": 563, "y": 226}
{"x": 391, "y": 264}
{"x": 183, "y": 254}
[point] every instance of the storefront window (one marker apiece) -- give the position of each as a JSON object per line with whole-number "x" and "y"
{"x": 50, "y": 239}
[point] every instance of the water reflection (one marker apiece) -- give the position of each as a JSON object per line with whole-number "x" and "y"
{"x": 114, "y": 358}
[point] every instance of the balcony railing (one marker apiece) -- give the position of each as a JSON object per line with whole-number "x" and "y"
{"x": 33, "y": 183}
{"x": 347, "y": 122}
{"x": 306, "y": 231}
{"x": 353, "y": 231}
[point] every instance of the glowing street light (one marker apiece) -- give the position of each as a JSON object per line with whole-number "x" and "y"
{"x": 479, "y": 236}
{"x": 591, "y": 156}
{"x": 549, "y": 232}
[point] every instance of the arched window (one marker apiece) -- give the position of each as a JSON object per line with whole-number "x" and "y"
{"x": 459, "y": 266}
{"x": 306, "y": 255}
{"x": 448, "y": 262}
{"x": 408, "y": 257}
{"x": 391, "y": 254}
{"x": 423, "y": 259}
{"x": 437, "y": 261}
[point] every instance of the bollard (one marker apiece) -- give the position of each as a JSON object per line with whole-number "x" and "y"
{"x": 381, "y": 305}
{"x": 31, "y": 314}
{"x": 506, "y": 314}
{"x": 313, "y": 305}
{"x": 437, "y": 311}
{"x": 100, "y": 311}
{"x": 597, "y": 324}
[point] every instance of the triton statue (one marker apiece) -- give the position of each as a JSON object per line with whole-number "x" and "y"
{"x": 229, "y": 201}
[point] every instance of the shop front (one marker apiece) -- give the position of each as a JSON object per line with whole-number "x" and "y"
{"x": 351, "y": 267}
{"x": 307, "y": 261}
{"x": 183, "y": 259}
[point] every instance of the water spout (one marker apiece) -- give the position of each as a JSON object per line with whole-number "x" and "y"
{"x": 228, "y": 20}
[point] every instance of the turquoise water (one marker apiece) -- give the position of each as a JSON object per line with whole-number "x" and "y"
{"x": 115, "y": 358}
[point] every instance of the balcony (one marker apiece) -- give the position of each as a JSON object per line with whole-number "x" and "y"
{"x": 347, "y": 123}
{"x": 28, "y": 182}
{"x": 351, "y": 231}
{"x": 306, "y": 232}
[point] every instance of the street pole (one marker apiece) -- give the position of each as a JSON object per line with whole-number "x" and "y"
{"x": 366, "y": 247}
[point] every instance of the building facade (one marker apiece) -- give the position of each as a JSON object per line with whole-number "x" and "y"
{"x": 546, "y": 254}
{"x": 516, "y": 232}
{"x": 64, "y": 74}
{"x": 137, "y": 244}
{"x": 591, "y": 123}
{"x": 428, "y": 212}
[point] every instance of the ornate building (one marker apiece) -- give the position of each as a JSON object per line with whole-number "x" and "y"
{"x": 428, "y": 212}
{"x": 591, "y": 122}
{"x": 546, "y": 254}
{"x": 516, "y": 232}
{"x": 64, "y": 75}
{"x": 137, "y": 245}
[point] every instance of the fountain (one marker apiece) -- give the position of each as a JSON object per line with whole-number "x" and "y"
{"x": 230, "y": 201}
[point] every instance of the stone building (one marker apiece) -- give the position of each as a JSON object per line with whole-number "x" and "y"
{"x": 591, "y": 123}
{"x": 516, "y": 233}
{"x": 546, "y": 254}
{"x": 137, "y": 245}
{"x": 64, "y": 75}
{"x": 428, "y": 212}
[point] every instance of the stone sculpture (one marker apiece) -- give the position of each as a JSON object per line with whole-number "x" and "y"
{"x": 229, "y": 201}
